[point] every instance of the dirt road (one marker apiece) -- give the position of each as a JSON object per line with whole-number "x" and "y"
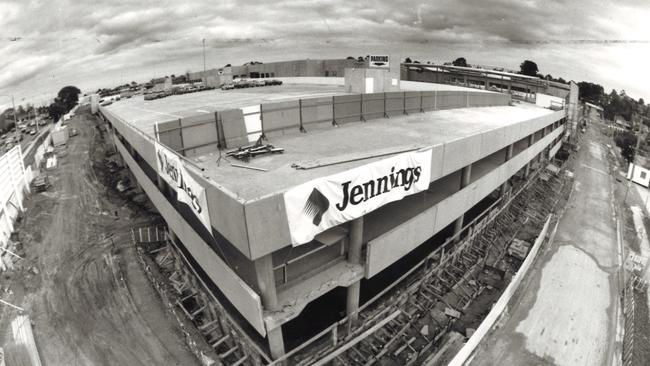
{"x": 89, "y": 300}
{"x": 569, "y": 312}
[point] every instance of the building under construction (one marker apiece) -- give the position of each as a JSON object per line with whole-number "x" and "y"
{"x": 291, "y": 207}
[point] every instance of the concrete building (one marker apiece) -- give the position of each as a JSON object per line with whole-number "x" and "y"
{"x": 520, "y": 86}
{"x": 363, "y": 181}
{"x": 295, "y": 68}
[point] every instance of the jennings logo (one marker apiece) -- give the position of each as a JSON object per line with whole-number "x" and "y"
{"x": 317, "y": 204}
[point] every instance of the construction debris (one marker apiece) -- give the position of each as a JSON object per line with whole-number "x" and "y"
{"x": 21, "y": 348}
{"x": 245, "y": 153}
{"x": 519, "y": 249}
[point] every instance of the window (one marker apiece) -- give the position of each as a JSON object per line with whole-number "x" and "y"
{"x": 643, "y": 175}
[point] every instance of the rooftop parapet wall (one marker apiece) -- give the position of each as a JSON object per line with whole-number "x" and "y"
{"x": 200, "y": 134}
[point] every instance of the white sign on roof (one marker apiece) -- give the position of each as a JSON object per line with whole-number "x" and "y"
{"x": 380, "y": 61}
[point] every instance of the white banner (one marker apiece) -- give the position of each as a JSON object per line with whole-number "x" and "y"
{"x": 322, "y": 203}
{"x": 171, "y": 169}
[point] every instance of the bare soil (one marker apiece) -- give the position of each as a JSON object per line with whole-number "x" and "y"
{"x": 89, "y": 301}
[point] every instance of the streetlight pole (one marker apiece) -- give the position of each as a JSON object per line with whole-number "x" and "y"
{"x": 204, "y": 75}
{"x": 17, "y": 133}
{"x": 636, "y": 151}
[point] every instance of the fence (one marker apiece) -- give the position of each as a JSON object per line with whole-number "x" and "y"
{"x": 13, "y": 185}
{"x": 196, "y": 135}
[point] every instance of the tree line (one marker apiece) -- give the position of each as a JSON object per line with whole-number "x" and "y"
{"x": 65, "y": 100}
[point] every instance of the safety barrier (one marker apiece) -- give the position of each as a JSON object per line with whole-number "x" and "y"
{"x": 196, "y": 135}
{"x": 13, "y": 187}
{"x": 500, "y": 306}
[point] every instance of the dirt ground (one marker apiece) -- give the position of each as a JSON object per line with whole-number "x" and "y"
{"x": 568, "y": 314}
{"x": 89, "y": 301}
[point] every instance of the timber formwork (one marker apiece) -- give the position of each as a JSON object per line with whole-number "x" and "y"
{"x": 405, "y": 324}
{"x": 211, "y": 334}
{"x": 408, "y": 326}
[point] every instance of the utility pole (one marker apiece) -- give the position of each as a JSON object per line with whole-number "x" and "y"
{"x": 17, "y": 133}
{"x": 636, "y": 151}
{"x": 205, "y": 83}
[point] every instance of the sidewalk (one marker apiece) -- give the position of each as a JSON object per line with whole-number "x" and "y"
{"x": 569, "y": 306}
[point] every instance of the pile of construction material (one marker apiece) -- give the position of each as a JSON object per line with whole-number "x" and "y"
{"x": 21, "y": 348}
{"x": 245, "y": 153}
{"x": 9, "y": 254}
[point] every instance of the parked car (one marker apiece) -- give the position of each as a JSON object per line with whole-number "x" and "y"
{"x": 227, "y": 86}
{"x": 273, "y": 82}
{"x": 32, "y": 132}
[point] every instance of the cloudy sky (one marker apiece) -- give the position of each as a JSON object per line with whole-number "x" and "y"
{"x": 49, "y": 44}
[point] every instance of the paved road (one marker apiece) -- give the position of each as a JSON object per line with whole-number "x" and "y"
{"x": 90, "y": 302}
{"x": 569, "y": 311}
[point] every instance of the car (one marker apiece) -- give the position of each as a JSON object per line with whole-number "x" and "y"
{"x": 227, "y": 86}
{"x": 32, "y": 132}
{"x": 258, "y": 82}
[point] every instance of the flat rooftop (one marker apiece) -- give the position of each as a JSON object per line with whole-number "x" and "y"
{"x": 144, "y": 114}
{"x": 350, "y": 140}
{"x": 353, "y": 140}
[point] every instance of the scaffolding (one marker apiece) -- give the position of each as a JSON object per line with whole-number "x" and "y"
{"x": 406, "y": 323}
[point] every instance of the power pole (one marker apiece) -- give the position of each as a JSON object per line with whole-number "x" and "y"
{"x": 636, "y": 151}
{"x": 17, "y": 133}
{"x": 204, "y": 75}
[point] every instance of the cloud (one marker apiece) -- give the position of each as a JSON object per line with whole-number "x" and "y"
{"x": 16, "y": 72}
{"x": 101, "y": 44}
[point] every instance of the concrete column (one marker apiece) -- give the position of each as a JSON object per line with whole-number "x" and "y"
{"x": 531, "y": 141}
{"x": 465, "y": 177}
{"x": 354, "y": 257}
{"x": 266, "y": 284}
{"x": 509, "y": 152}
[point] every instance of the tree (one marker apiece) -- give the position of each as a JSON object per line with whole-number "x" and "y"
{"x": 350, "y": 58}
{"x": 590, "y": 92}
{"x": 627, "y": 142}
{"x": 56, "y": 109}
{"x": 407, "y": 60}
{"x": 528, "y": 68}
{"x": 69, "y": 96}
{"x": 460, "y": 62}
{"x": 360, "y": 59}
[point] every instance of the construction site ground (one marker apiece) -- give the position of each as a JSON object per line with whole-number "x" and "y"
{"x": 633, "y": 203}
{"x": 88, "y": 299}
{"x": 569, "y": 311}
